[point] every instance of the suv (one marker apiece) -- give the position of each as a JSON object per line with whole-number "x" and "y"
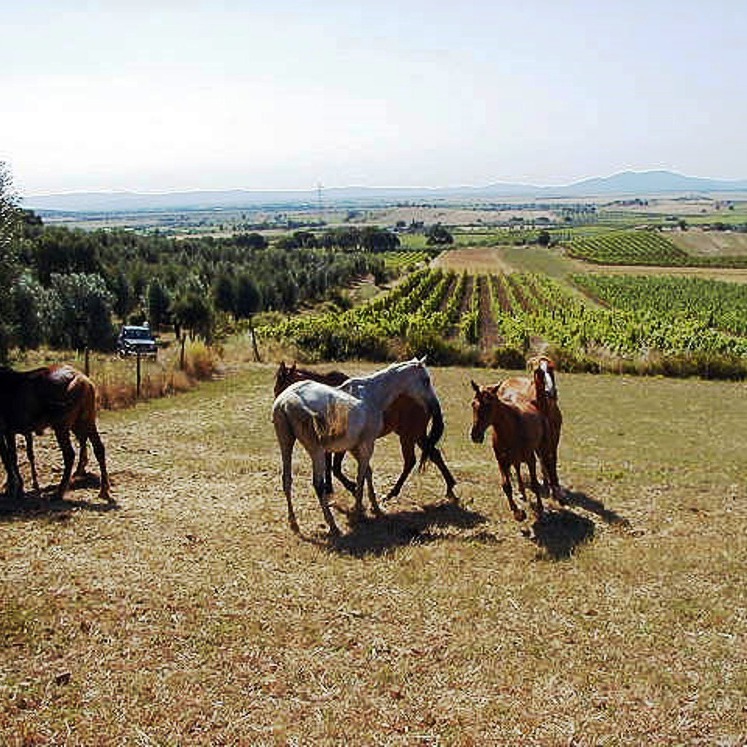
{"x": 134, "y": 340}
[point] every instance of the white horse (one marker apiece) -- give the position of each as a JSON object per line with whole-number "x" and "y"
{"x": 345, "y": 418}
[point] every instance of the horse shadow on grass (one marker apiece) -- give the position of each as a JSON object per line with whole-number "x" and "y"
{"x": 559, "y": 532}
{"x": 46, "y": 503}
{"x": 381, "y": 534}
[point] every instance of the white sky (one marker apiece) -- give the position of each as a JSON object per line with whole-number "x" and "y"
{"x": 163, "y": 95}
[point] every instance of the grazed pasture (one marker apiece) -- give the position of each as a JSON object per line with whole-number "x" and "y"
{"x": 190, "y": 614}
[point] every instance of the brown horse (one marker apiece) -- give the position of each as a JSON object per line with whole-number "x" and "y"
{"x": 56, "y": 397}
{"x": 406, "y": 417}
{"x": 520, "y": 431}
{"x": 542, "y": 391}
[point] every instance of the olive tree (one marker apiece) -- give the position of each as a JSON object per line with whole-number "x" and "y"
{"x": 9, "y": 266}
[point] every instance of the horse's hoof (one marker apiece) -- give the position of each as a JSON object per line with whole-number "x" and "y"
{"x": 520, "y": 514}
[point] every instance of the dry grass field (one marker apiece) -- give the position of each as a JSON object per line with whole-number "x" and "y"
{"x": 191, "y": 614}
{"x": 713, "y": 243}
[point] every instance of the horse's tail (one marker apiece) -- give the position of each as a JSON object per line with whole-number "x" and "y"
{"x": 437, "y": 430}
{"x": 332, "y": 423}
{"x": 284, "y": 430}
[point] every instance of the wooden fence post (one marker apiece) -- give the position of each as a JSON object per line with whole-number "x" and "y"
{"x": 137, "y": 379}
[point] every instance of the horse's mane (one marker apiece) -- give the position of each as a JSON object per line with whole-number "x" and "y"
{"x": 323, "y": 377}
{"x": 287, "y": 375}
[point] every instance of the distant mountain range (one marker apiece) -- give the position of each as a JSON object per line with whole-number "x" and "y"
{"x": 627, "y": 183}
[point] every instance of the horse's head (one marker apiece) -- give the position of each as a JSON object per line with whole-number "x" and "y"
{"x": 482, "y": 410}
{"x": 284, "y": 377}
{"x": 543, "y": 373}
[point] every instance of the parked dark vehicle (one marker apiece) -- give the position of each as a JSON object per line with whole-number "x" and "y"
{"x": 134, "y": 340}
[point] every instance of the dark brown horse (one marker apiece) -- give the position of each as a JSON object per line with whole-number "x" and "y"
{"x": 56, "y": 397}
{"x": 542, "y": 390}
{"x": 520, "y": 431}
{"x": 406, "y": 417}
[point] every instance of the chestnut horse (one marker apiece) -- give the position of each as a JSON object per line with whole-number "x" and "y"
{"x": 542, "y": 390}
{"x": 345, "y": 418}
{"x": 57, "y": 397}
{"x": 405, "y": 417}
{"x": 520, "y": 431}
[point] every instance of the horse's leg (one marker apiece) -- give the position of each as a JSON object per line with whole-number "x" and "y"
{"x": 100, "y": 454}
{"x": 407, "y": 447}
{"x": 319, "y": 464}
{"x": 328, "y": 472}
{"x": 362, "y": 454}
{"x": 552, "y": 468}
{"x": 449, "y": 479}
{"x": 519, "y": 513}
{"x": 549, "y": 460}
{"x": 9, "y": 454}
{"x": 372, "y": 493}
{"x": 535, "y": 486}
{"x": 80, "y": 470}
{"x": 286, "y": 441}
{"x": 29, "y": 437}
{"x": 68, "y": 455}
{"x": 347, "y": 483}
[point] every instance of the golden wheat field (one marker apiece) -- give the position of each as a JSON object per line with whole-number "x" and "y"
{"x": 189, "y": 613}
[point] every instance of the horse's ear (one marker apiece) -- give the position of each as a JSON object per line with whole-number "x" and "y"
{"x": 292, "y": 369}
{"x": 422, "y": 360}
{"x": 475, "y": 386}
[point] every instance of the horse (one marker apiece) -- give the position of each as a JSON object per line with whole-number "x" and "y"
{"x": 57, "y": 397}
{"x": 14, "y": 485}
{"x": 520, "y": 431}
{"x": 542, "y": 390}
{"x": 405, "y": 417}
{"x": 345, "y": 418}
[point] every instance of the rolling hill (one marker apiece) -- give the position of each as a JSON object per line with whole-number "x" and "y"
{"x": 625, "y": 183}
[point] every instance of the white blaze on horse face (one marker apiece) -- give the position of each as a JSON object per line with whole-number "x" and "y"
{"x": 549, "y": 380}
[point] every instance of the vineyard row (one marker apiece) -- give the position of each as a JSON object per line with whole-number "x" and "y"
{"x": 456, "y": 317}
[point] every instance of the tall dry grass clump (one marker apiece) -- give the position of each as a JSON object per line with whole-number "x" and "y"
{"x": 201, "y": 362}
{"x": 117, "y": 385}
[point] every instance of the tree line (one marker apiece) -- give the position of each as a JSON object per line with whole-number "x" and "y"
{"x": 69, "y": 288}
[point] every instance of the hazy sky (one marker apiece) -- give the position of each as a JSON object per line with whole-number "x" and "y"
{"x": 173, "y": 95}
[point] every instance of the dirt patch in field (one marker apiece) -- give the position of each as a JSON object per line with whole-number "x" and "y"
{"x": 474, "y": 260}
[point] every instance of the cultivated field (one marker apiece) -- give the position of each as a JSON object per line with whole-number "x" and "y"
{"x": 709, "y": 243}
{"x": 190, "y": 614}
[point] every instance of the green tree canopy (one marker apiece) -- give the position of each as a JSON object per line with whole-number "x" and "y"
{"x": 9, "y": 266}
{"x": 437, "y": 235}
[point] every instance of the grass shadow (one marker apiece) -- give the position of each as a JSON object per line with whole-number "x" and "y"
{"x": 47, "y": 504}
{"x": 559, "y": 533}
{"x": 379, "y": 535}
{"x": 593, "y": 506}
